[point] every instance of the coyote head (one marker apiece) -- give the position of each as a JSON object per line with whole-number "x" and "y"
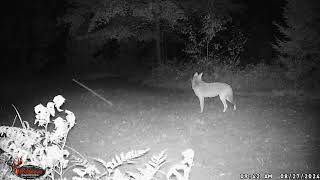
{"x": 196, "y": 79}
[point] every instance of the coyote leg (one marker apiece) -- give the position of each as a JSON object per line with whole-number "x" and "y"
{"x": 224, "y": 102}
{"x": 201, "y": 100}
{"x": 231, "y": 101}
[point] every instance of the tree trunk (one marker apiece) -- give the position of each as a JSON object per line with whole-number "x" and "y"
{"x": 158, "y": 41}
{"x": 156, "y": 13}
{"x": 164, "y": 48}
{"x": 208, "y": 49}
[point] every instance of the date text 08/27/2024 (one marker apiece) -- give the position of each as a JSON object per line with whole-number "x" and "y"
{"x": 281, "y": 176}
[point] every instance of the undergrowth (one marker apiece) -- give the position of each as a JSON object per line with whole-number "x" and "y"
{"x": 251, "y": 78}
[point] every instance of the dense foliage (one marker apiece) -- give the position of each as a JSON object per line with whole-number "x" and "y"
{"x": 197, "y": 26}
{"x": 300, "y": 51}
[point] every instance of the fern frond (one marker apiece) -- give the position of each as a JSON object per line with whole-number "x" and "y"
{"x": 103, "y": 162}
{"x": 136, "y": 154}
{"x": 152, "y": 167}
{"x": 118, "y": 160}
{"x": 158, "y": 160}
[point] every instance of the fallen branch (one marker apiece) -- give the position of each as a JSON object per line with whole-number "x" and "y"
{"x": 99, "y": 96}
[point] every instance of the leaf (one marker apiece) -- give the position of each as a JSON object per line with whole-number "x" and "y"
{"x": 71, "y": 118}
{"x": 58, "y": 102}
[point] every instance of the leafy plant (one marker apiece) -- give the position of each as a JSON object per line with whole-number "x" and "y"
{"x": 41, "y": 148}
{"x": 48, "y": 150}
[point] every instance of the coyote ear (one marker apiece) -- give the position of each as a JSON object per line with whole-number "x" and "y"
{"x": 200, "y": 75}
{"x": 195, "y": 75}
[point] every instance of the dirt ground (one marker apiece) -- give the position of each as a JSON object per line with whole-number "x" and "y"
{"x": 265, "y": 135}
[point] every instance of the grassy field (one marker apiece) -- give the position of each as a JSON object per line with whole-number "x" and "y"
{"x": 266, "y": 135}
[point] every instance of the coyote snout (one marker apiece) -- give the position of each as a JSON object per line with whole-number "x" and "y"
{"x": 203, "y": 90}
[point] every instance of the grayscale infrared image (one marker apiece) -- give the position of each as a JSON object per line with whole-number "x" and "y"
{"x": 160, "y": 90}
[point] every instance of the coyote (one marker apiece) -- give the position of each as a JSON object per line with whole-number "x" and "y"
{"x": 203, "y": 89}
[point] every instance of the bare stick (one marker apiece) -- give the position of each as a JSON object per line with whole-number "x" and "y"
{"x": 99, "y": 96}
{"x": 24, "y": 127}
{"x": 14, "y": 121}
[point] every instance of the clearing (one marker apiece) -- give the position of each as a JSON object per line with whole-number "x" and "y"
{"x": 266, "y": 135}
